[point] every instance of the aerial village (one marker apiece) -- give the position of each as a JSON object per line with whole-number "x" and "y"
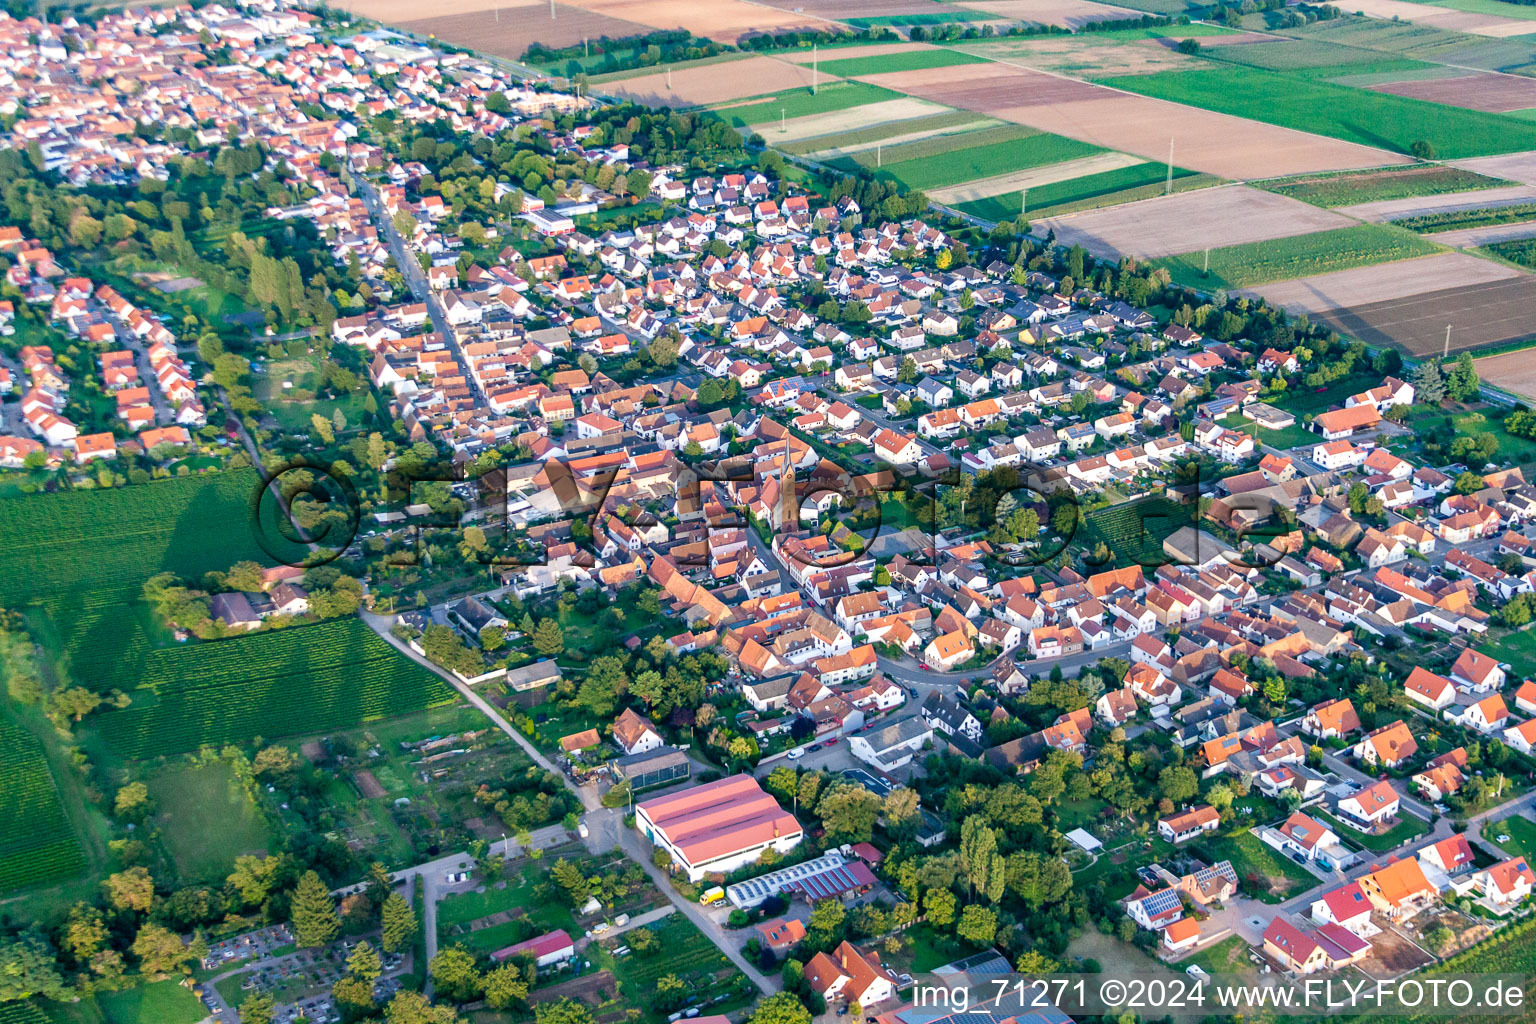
{"x": 1172, "y": 575}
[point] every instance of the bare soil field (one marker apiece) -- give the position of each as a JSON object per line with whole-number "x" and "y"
{"x": 1189, "y": 222}
{"x": 725, "y": 21}
{"x": 1393, "y": 955}
{"x": 1005, "y": 183}
{"x": 1231, "y": 147}
{"x": 393, "y": 12}
{"x": 1484, "y": 305}
{"x": 1444, "y": 18}
{"x": 1468, "y": 238}
{"x": 721, "y": 83}
{"x": 1386, "y": 282}
{"x": 1226, "y": 39}
{"x": 1511, "y": 166}
{"x": 1513, "y": 371}
{"x": 510, "y": 33}
{"x": 1085, "y": 55}
{"x": 1449, "y": 202}
{"x": 1494, "y": 93}
{"x": 851, "y": 119}
{"x": 1069, "y": 13}
{"x": 368, "y": 785}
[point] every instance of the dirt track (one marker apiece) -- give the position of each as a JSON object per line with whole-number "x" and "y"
{"x": 1417, "y": 206}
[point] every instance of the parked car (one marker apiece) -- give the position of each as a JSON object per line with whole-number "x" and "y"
{"x": 795, "y": 753}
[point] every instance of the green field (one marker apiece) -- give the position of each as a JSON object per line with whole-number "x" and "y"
{"x": 1453, "y": 220}
{"x": 1075, "y": 190}
{"x": 162, "y": 1002}
{"x": 1522, "y": 251}
{"x": 1518, "y": 650}
{"x": 1494, "y": 7}
{"x": 306, "y": 679}
{"x": 1282, "y": 259}
{"x": 1355, "y": 115}
{"x": 37, "y": 843}
{"x": 1348, "y": 188}
{"x": 206, "y": 819}
{"x": 913, "y": 60}
{"x": 1313, "y": 58}
{"x": 802, "y": 103}
{"x": 112, "y": 541}
{"x": 1135, "y": 530}
{"x": 951, "y": 160}
{"x": 1419, "y": 41}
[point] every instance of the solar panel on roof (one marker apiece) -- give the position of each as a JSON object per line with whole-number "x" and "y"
{"x": 1160, "y": 902}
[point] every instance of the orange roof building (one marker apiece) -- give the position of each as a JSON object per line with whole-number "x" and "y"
{"x": 717, "y": 827}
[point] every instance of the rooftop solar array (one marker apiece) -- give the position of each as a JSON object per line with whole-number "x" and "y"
{"x": 818, "y": 879}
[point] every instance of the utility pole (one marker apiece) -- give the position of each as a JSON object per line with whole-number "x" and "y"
{"x": 586, "y": 51}
{"x": 551, "y": 10}
{"x": 783, "y": 121}
{"x": 1023, "y": 201}
{"x": 1206, "y": 270}
{"x": 669, "y": 78}
{"x": 1169, "y": 186}
{"x": 1447, "y": 354}
{"x": 814, "y": 73}
{"x": 877, "y": 155}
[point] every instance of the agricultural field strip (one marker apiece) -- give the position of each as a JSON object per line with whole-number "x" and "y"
{"x": 37, "y": 844}
{"x": 865, "y": 143}
{"x": 985, "y": 188}
{"x": 1468, "y": 238}
{"x": 1255, "y": 263}
{"x": 851, "y": 119}
{"x": 1447, "y": 202}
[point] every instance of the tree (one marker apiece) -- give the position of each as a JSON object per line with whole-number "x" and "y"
{"x": 399, "y": 924}
{"x": 605, "y": 681}
{"x": 132, "y": 802}
{"x": 1190, "y": 46}
{"x": 354, "y": 997}
{"x": 848, "y": 813}
{"x": 978, "y": 924}
{"x": 985, "y": 867}
{"x": 1428, "y": 382}
{"x": 314, "y": 912}
{"x": 253, "y": 877}
{"x": 28, "y": 968}
{"x": 1423, "y": 149}
{"x": 455, "y": 976}
{"x": 1462, "y": 382}
{"x": 275, "y": 760}
{"x": 1178, "y": 783}
{"x": 548, "y": 638}
{"x": 562, "y": 1011}
{"x": 505, "y": 987}
{"x": 132, "y": 889}
{"x": 940, "y": 905}
{"x": 159, "y": 950}
{"x": 412, "y": 1008}
{"x": 571, "y": 882}
{"x": 780, "y": 1008}
{"x": 364, "y": 963}
{"x": 257, "y": 1009}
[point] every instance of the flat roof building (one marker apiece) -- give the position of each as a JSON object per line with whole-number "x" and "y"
{"x": 717, "y": 827}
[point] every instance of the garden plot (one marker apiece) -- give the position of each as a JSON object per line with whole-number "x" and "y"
{"x": 1188, "y": 222}
{"x": 1469, "y": 238}
{"x": 850, "y": 120}
{"x": 1024, "y": 179}
{"x": 1203, "y": 140}
{"x": 716, "y": 83}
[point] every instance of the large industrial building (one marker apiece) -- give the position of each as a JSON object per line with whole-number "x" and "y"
{"x": 717, "y": 827}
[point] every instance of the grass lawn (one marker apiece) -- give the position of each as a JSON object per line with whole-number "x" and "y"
{"x": 1303, "y": 400}
{"x": 1353, "y": 187}
{"x": 1286, "y": 437}
{"x": 1511, "y": 448}
{"x": 531, "y": 916}
{"x": 1494, "y": 7}
{"x": 1407, "y": 827}
{"x": 1283, "y": 259}
{"x": 163, "y": 1002}
{"x": 801, "y": 102}
{"x": 206, "y": 819}
{"x": 1355, "y": 115}
{"x": 1229, "y": 956}
{"x": 1151, "y": 176}
{"x": 1518, "y": 650}
{"x": 914, "y": 60}
{"x": 1276, "y": 875}
{"x": 683, "y": 951}
{"x": 1521, "y": 833}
